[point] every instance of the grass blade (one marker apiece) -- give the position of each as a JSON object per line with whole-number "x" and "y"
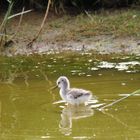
{"x": 117, "y": 101}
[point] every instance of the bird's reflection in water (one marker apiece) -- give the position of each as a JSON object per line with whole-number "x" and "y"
{"x": 70, "y": 113}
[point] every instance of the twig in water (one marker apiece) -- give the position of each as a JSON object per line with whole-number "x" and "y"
{"x": 133, "y": 93}
{"x": 41, "y": 27}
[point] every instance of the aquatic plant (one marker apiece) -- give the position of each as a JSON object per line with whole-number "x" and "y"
{"x": 70, "y": 64}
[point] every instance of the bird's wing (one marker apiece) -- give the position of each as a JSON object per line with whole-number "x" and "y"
{"x": 76, "y": 93}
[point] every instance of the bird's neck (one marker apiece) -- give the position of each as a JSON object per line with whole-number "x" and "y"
{"x": 63, "y": 92}
{"x": 65, "y": 87}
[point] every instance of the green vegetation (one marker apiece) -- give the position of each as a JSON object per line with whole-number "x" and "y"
{"x": 41, "y": 66}
{"x": 6, "y": 40}
{"x": 3, "y": 26}
{"x": 118, "y": 24}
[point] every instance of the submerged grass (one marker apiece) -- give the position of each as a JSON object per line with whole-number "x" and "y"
{"x": 41, "y": 66}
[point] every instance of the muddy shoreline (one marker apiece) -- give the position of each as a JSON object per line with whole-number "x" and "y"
{"x": 78, "y": 34}
{"x": 98, "y": 45}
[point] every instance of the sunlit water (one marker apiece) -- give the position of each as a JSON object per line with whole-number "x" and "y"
{"x": 28, "y": 112}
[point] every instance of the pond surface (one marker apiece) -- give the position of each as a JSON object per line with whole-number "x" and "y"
{"x": 28, "y": 112}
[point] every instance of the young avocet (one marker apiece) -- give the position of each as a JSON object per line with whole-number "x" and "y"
{"x": 72, "y": 96}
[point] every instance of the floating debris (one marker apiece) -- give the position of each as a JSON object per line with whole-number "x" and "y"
{"x": 88, "y": 75}
{"x": 123, "y": 84}
{"x": 119, "y": 66}
{"x": 90, "y": 60}
{"x": 81, "y": 73}
{"x": 75, "y": 71}
{"x": 105, "y": 64}
{"x": 49, "y": 66}
{"x": 94, "y": 68}
{"x": 36, "y": 67}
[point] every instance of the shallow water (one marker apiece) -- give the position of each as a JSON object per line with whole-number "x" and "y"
{"x": 28, "y": 112}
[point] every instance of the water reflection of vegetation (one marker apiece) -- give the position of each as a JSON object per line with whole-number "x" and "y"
{"x": 41, "y": 66}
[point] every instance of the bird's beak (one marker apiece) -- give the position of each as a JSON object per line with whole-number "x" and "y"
{"x": 54, "y": 87}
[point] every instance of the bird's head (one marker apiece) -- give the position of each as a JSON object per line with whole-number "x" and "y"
{"x": 63, "y": 82}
